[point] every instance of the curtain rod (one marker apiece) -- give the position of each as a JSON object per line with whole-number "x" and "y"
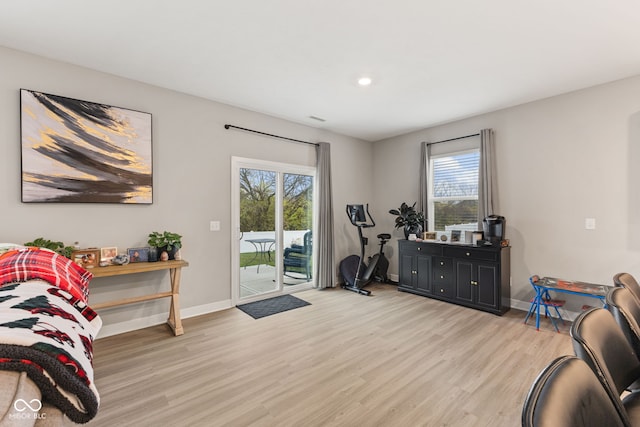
{"x": 227, "y": 126}
{"x": 453, "y": 139}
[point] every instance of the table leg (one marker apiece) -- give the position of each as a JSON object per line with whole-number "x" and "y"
{"x": 532, "y": 308}
{"x": 174, "y": 320}
{"x": 269, "y": 250}
{"x": 255, "y": 255}
{"x": 541, "y": 294}
{"x": 538, "y": 297}
{"x": 260, "y": 255}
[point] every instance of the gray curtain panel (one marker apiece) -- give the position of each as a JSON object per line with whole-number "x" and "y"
{"x": 423, "y": 202}
{"x": 487, "y": 194}
{"x": 325, "y": 268}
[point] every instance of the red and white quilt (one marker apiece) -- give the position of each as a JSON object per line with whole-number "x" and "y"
{"x": 47, "y": 330}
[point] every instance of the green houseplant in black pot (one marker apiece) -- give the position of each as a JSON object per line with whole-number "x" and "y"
{"x": 408, "y": 218}
{"x": 164, "y": 242}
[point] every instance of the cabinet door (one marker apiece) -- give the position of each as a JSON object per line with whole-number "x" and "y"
{"x": 465, "y": 280}
{"x": 407, "y": 275}
{"x": 487, "y": 285}
{"x": 423, "y": 273}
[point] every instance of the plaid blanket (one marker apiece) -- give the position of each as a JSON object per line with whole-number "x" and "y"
{"x": 48, "y": 333}
{"x": 25, "y": 264}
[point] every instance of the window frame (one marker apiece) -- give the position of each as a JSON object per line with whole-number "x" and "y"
{"x": 431, "y": 199}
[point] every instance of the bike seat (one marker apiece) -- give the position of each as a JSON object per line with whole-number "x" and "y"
{"x": 385, "y": 236}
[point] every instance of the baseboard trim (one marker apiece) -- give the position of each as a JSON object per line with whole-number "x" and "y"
{"x": 159, "y": 319}
{"x": 524, "y": 306}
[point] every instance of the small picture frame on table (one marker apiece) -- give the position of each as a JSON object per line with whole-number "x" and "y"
{"x": 138, "y": 254}
{"x": 107, "y": 254}
{"x": 86, "y": 258}
{"x": 455, "y": 235}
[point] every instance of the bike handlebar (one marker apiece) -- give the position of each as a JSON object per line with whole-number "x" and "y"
{"x": 356, "y": 215}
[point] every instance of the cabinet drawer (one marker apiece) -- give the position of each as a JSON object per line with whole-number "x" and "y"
{"x": 429, "y": 249}
{"x": 442, "y": 263}
{"x": 442, "y": 270}
{"x": 470, "y": 253}
{"x": 442, "y": 278}
{"x": 420, "y": 248}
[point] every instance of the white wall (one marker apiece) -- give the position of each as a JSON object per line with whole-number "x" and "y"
{"x": 191, "y": 172}
{"x": 559, "y": 161}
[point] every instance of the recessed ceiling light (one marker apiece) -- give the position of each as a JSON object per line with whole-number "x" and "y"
{"x": 364, "y": 81}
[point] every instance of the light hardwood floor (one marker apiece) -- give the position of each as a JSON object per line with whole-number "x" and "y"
{"x": 392, "y": 359}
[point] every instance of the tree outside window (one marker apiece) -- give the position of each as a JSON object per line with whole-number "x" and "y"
{"x": 257, "y": 200}
{"x": 453, "y": 198}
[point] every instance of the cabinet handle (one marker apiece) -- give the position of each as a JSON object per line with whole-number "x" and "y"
{"x": 441, "y": 262}
{"x": 441, "y": 290}
{"x": 442, "y": 277}
{"x": 419, "y": 248}
{"x": 468, "y": 254}
{"x": 473, "y": 282}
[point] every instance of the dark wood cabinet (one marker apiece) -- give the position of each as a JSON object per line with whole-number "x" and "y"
{"x": 477, "y": 277}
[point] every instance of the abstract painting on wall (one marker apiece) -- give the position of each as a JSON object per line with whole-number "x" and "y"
{"x": 81, "y": 152}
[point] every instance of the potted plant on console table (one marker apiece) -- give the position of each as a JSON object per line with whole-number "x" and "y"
{"x": 167, "y": 245}
{"x": 58, "y": 247}
{"x": 409, "y": 219}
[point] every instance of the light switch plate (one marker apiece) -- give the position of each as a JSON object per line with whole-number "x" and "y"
{"x": 214, "y": 226}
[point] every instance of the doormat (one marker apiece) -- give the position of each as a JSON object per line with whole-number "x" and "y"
{"x": 270, "y": 306}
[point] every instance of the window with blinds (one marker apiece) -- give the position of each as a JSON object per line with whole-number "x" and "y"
{"x": 453, "y": 198}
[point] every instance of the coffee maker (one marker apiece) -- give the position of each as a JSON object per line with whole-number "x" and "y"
{"x": 493, "y": 228}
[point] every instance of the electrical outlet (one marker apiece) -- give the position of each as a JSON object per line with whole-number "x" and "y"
{"x": 214, "y": 225}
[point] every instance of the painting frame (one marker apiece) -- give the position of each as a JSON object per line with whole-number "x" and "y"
{"x": 75, "y": 151}
{"x": 138, "y": 254}
{"x": 107, "y": 254}
{"x": 429, "y": 235}
{"x": 86, "y": 258}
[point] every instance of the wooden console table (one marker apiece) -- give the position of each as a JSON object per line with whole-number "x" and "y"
{"x": 174, "y": 268}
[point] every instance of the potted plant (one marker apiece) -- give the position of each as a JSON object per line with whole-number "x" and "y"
{"x": 166, "y": 242}
{"x": 408, "y": 218}
{"x": 57, "y": 247}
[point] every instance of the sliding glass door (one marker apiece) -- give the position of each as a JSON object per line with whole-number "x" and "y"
{"x": 297, "y": 221}
{"x": 273, "y": 222}
{"x": 257, "y": 231}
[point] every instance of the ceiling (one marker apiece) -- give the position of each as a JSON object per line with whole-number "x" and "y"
{"x": 431, "y": 61}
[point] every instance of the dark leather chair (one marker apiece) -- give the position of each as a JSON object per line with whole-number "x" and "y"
{"x": 626, "y": 312}
{"x": 625, "y": 280}
{"x": 297, "y": 258}
{"x": 567, "y": 393}
{"x": 599, "y": 341}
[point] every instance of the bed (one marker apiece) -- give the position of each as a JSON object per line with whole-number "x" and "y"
{"x": 46, "y": 339}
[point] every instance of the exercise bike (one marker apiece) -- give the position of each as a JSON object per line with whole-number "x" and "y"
{"x": 355, "y": 273}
